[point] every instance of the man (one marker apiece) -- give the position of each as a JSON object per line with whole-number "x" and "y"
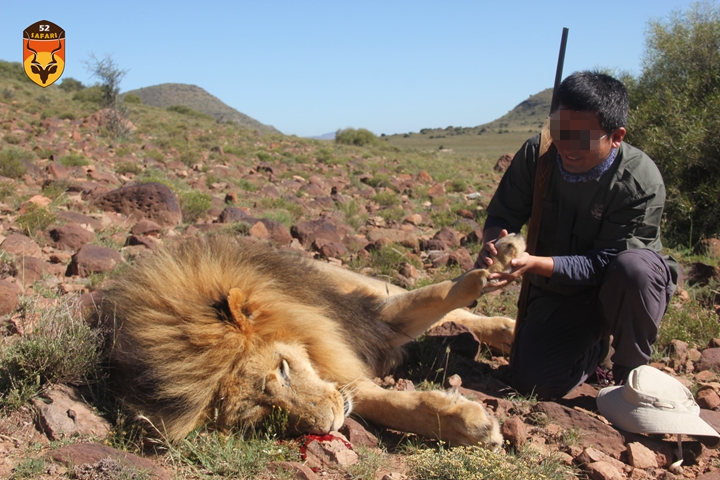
{"x": 597, "y": 271}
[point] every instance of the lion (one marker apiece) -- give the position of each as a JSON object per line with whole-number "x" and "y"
{"x": 209, "y": 332}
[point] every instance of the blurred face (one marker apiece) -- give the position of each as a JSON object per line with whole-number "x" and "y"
{"x": 580, "y": 140}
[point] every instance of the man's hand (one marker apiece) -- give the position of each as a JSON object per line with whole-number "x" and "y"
{"x": 524, "y": 263}
{"x": 488, "y": 251}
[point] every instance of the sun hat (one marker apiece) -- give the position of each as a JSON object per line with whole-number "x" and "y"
{"x": 654, "y": 402}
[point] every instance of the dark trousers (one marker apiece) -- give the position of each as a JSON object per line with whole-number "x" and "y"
{"x": 558, "y": 345}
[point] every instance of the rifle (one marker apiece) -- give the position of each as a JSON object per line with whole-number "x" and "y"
{"x": 542, "y": 175}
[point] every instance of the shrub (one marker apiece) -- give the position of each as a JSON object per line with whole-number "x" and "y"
{"x": 12, "y": 162}
{"x": 74, "y": 160}
{"x": 69, "y": 84}
{"x": 60, "y": 348}
{"x": 35, "y": 218}
{"x": 351, "y": 136}
{"x": 675, "y": 118}
{"x": 133, "y": 98}
{"x": 194, "y": 204}
{"x": 89, "y": 95}
{"x": 128, "y": 167}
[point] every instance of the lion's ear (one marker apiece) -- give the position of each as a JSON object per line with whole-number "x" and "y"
{"x": 236, "y": 302}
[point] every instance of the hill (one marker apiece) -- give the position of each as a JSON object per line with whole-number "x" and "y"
{"x": 192, "y": 96}
{"x": 489, "y": 140}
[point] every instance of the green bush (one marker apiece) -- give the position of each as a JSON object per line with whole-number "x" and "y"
{"x": 675, "y": 118}
{"x": 89, "y": 95}
{"x": 351, "y": 136}
{"x": 60, "y": 348}
{"x": 35, "y": 218}
{"x": 74, "y": 160}
{"x": 133, "y": 99}
{"x": 12, "y": 162}
{"x": 69, "y": 84}
{"x": 194, "y": 204}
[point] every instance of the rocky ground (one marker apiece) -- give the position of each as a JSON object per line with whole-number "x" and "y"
{"x": 106, "y": 219}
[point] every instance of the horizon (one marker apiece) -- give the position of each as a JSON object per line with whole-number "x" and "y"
{"x": 311, "y": 68}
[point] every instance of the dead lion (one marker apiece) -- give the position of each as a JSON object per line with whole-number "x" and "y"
{"x": 212, "y": 333}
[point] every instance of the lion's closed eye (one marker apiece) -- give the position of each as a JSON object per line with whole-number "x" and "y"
{"x": 285, "y": 371}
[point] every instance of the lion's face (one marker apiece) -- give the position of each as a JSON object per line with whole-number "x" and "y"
{"x": 280, "y": 375}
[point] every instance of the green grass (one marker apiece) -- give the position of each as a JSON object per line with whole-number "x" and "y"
{"x": 59, "y": 348}
{"x": 475, "y": 463}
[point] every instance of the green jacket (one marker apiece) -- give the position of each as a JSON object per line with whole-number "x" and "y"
{"x": 620, "y": 210}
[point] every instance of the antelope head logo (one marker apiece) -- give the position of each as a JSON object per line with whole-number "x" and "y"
{"x": 44, "y": 71}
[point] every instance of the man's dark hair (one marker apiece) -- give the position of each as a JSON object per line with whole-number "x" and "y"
{"x": 597, "y": 92}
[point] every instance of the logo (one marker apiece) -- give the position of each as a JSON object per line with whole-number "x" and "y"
{"x": 597, "y": 211}
{"x": 44, "y": 52}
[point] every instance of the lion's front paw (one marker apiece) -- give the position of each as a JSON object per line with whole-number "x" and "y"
{"x": 467, "y": 423}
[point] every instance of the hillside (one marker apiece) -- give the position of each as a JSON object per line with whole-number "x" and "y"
{"x": 489, "y": 140}
{"x": 191, "y": 96}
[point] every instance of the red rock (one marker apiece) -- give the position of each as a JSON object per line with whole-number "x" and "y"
{"x": 708, "y": 398}
{"x": 436, "y": 191}
{"x": 449, "y": 236}
{"x": 424, "y": 177}
{"x": 9, "y": 297}
{"x": 146, "y": 227}
{"x": 71, "y": 236}
{"x": 462, "y": 258}
{"x": 514, "y": 431}
{"x": 65, "y": 414}
{"x": 710, "y": 359}
{"x": 603, "y": 471}
{"x": 153, "y": 201}
{"x": 639, "y": 456}
{"x": 357, "y": 434}
{"x": 503, "y": 162}
{"x": 93, "y": 259}
{"x": 17, "y": 244}
{"x": 28, "y": 270}
{"x": 90, "y": 453}
{"x": 297, "y": 471}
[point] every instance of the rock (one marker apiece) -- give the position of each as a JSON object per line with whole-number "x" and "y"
{"x": 503, "y": 162}
{"x": 66, "y": 415}
{"x": 80, "y": 219}
{"x": 424, "y": 177}
{"x": 153, "y": 201}
{"x": 708, "y": 398}
{"x": 436, "y": 191}
{"x": 433, "y": 244}
{"x": 93, "y": 259}
{"x": 71, "y": 236}
{"x": 709, "y": 247}
{"x": 701, "y": 273}
{"x": 17, "y": 244}
{"x": 514, "y": 431}
{"x": 259, "y": 231}
{"x": 234, "y": 214}
{"x": 92, "y": 453}
{"x": 146, "y": 227}
{"x": 405, "y": 239}
{"x": 9, "y": 297}
{"x": 639, "y": 456}
{"x": 710, "y": 359}
{"x": 712, "y": 475}
{"x": 603, "y": 471}
{"x": 449, "y": 236}
{"x": 357, "y": 434}
{"x": 28, "y": 270}
{"x": 594, "y": 432}
{"x": 458, "y": 337}
{"x": 329, "y": 249}
{"x": 308, "y": 232}
{"x": 462, "y": 258}
{"x": 277, "y": 232}
{"x": 292, "y": 471}
{"x": 678, "y": 351}
{"x": 329, "y": 452}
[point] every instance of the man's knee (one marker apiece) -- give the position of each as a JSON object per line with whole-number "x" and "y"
{"x": 639, "y": 268}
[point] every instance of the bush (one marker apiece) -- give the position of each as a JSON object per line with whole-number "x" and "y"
{"x": 194, "y": 204}
{"x": 89, "y": 95}
{"x": 675, "y": 118}
{"x": 60, "y": 348}
{"x": 35, "y": 218}
{"x": 351, "y": 136}
{"x": 12, "y": 162}
{"x": 74, "y": 160}
{"x": 69, "y": 84}
{"x": 133, "y": 99}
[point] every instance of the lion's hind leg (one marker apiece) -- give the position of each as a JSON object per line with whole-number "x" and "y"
{"x": 449, "y": 417}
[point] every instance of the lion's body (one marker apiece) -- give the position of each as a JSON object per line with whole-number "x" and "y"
{"x": 209, "y": 332}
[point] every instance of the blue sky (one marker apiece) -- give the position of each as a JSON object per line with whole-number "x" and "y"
{"x": 311, "y": 67}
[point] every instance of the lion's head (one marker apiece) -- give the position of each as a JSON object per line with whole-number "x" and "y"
{"x": 207, "y": 333}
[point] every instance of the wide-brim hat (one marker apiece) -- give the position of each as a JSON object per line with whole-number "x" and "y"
{"x": 654, "y": 402}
